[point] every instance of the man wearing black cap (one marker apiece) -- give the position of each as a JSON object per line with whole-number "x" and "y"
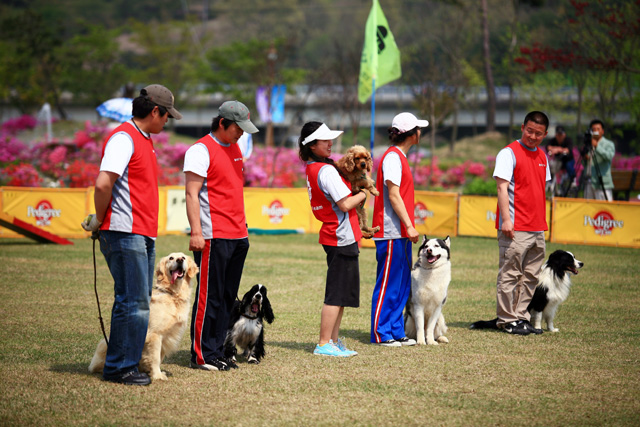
{"x": 560, "y": 148}
{"x": 219, "y": 235}
{"x": 126, "y": 203}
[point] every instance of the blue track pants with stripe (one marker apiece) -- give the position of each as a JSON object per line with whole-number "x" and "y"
{"x": 393, "y": 285}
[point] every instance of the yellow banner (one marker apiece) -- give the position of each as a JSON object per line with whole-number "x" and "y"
{"x": 176, "y": 221}
{"x": 436, "y": 214}
{"x": 58, "y": 211}
{"x": 595, "y": 222}
{"x": 477, "y": 216}
{"x": 278, "y": 208}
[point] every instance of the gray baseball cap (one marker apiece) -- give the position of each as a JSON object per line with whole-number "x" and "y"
{"x": 160, "y": 95}
{"x": 239, "y": 113}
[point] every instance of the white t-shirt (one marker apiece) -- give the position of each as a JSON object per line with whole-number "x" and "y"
{"x": 392, "y": 168}
{"x": 330, "y": 181}
{"x": 506, "y": 163}
{"x": 118, "y": 152}
{"x": 196, "y": 160}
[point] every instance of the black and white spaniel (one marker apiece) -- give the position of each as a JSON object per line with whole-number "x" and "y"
{"x": 246, "y": 325}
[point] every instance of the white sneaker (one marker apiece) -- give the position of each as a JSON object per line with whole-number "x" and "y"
{"x": 407, "y": 341}
{"x": 389, "y": 343}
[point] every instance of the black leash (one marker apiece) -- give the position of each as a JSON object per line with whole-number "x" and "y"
{"x": 94, "y": 237}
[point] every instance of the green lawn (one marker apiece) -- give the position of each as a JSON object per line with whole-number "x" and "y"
{"x": 587, "y": 374}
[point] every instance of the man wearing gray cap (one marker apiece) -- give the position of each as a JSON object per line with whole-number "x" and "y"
{"x": 219, "y": 236}
{"x": 126, "y": 203}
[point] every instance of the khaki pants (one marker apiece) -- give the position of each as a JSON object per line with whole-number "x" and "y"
{"x": 520, "y": 263}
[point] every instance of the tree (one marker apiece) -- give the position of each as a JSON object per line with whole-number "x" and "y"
{"x": 488, "y": 72}
{"x": 30, "y": 68}
{"x": 91, "y": 66}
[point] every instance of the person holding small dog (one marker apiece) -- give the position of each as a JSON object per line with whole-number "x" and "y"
{"x": 126, "y": 203}
{"x": 334, "y": 205}
{"x": 521, "y": 172}
{"x": 393, "y": 212}
{"x": 219, "y": 235}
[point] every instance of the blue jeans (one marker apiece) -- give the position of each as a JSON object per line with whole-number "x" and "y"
{"x": 131, "y": 259}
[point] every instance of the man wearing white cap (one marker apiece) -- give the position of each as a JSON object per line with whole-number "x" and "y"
{"x": 219, "y": 235}
{"x": 393, "y": 212}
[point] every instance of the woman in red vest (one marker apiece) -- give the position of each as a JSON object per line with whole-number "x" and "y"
{"x": 333, "y": 204}
{"x": 393, "y": 212}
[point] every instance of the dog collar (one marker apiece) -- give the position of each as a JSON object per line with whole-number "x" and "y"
{"x": 249, "y": 317}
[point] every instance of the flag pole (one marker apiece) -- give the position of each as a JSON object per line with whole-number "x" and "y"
{"x": 373, "y": 113}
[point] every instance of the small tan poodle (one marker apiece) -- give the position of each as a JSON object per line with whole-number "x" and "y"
{"x": 355, "y": 166}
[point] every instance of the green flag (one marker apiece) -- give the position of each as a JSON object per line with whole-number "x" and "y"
{"x": 380, "y": 55}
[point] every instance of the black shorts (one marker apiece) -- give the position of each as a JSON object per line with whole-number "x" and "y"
{"x": 343, "y": 276}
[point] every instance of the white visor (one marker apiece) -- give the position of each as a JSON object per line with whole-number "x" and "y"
{"x": 323, "y": 132}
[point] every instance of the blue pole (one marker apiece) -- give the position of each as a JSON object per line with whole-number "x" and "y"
{"x": 373, "y": 112}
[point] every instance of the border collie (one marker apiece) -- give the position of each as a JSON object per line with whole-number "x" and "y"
{"x": 554, "y": 284}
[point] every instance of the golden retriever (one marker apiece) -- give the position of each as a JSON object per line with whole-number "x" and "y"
{"x": 168, "y": 315}
{"x": 355, "y": 165}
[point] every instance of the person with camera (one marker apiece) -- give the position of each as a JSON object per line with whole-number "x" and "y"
{"x": 599, "y": 151}
{"x": 562, "y": 165}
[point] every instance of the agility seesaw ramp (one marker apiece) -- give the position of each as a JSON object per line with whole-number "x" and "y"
{"x": 31, "y": 231}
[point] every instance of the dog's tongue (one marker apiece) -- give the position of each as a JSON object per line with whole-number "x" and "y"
{"x": 174, "y": 276}
{"x": 254, "y": 308}
{"x": 432, "y": 258}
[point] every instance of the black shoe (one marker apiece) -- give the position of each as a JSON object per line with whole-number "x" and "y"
{"x": 212, "y": 365}
{"x": 229, "y": 362}
{"x": 515, "y": 328}
{"x": 129, "y": 378}
{"x": 531, "y": 329}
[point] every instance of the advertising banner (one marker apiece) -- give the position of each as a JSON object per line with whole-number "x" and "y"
{"x": 278, "y": 208}
{"x": 477, "y": 216}
{"x": 57, "y": 211}
{"x": 436, "y": 213}
{"x": 596, "y": 222}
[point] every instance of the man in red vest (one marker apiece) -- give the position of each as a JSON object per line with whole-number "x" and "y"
{"x": 521, "y": 173}
{"x": 219, "y": 235}
{"x": 126, "y": 202}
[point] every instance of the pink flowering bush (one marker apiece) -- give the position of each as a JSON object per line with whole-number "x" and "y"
{"x": 20, "y": 175}
{"x": 274, "y": 168}
{"x": 74, "y": 162}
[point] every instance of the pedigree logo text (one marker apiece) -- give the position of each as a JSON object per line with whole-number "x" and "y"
{"x": 603, "y": 223}
{"x": 43, "y": 212}
{"x": 421, "y": 213}
{"x": 275, "y": 211}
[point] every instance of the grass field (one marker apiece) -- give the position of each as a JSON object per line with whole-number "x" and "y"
{"x": 587, "y": 374}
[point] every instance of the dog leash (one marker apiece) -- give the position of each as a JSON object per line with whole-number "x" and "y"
{"x": 94, "y": 237}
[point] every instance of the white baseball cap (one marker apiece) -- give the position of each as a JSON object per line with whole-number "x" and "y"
{"x": 404, "y": 122}
{"x": 323, "y": 132}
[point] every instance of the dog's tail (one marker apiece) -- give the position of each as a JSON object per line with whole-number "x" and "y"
{"x": 97, "y": 362}
{"x": 485, "y": 324}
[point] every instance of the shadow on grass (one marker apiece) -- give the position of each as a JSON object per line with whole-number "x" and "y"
{"x": 72, "y": 368}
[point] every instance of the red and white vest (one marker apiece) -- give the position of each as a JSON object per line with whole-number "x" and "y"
{"x": 527, "y": 203}
{"x": 134, "y": 200}
{"x": 221, "y": 197}
{"x": 383, "y": 214}
{"x": 338, "y": 228}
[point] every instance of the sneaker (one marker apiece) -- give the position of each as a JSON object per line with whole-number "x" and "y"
{"x": 129, "y": 378}
{"x": 407, "y": 341}
{"x": 515, "y": 328}
{"x": 340, "y": 344}
{"x": 389, "y": 343}
{"x": 531, "y": 328}
{"x": 330, "y": 349}
{"x": 213, "y": 365}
